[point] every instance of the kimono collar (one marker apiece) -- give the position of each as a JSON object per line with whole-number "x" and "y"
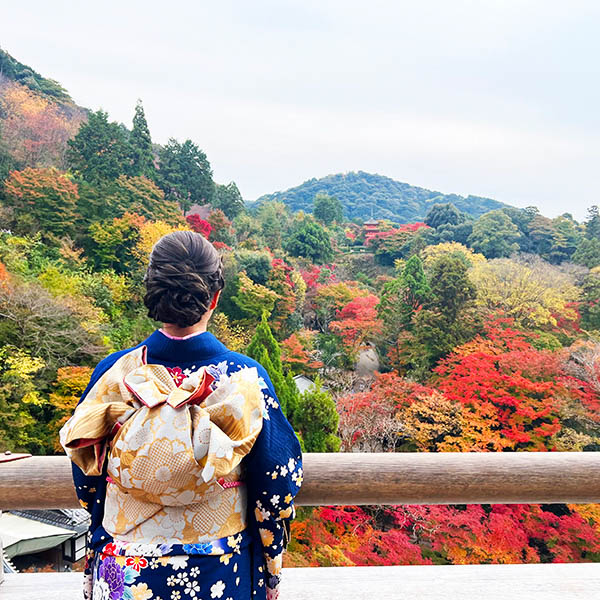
{"x": 197, "y": 348}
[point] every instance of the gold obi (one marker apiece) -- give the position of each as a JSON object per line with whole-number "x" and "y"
{"x": 174, "y": 452}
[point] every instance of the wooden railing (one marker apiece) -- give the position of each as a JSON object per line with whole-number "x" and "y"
{"x": 395, "y": 478}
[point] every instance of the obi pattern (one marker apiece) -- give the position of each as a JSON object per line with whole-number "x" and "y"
{"x": 174, "y": 450}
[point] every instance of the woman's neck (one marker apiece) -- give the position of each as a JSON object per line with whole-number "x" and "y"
{"x": 180, "y": 332}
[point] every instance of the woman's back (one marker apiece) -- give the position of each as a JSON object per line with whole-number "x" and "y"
{"x": 149, "y": 543}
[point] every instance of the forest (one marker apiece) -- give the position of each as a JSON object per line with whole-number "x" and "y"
{"x": 366, "y": 195}
{"x": 486, "y": 323}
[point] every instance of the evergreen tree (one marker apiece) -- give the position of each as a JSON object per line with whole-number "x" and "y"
{"x": 184, "y": 174}
{"x": 592, "y": 225}
{"x": 317, "y": 420}
{"x": 443, "y": 214}
{"x": 451, "y": 289}
{"x": 310, "y": 240}
{"x": 140, "y": 142}
{"x": 99, "y": 151}
{"x": 264, "y": 339}
{"x": 327, "y": 209}
{"x": 265, "y": 349}
{"x": 229, "y": 200}
{"x": 495, "y": 235}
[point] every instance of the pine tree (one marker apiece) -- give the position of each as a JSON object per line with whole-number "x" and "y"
{"x": 265, "y": 349}
{"x": 142, "y": 157}
{"x": 264, "y": 339}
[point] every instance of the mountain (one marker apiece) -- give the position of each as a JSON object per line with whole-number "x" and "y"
{"x": 363, "y": 194}
{"x": 11, "y": 68}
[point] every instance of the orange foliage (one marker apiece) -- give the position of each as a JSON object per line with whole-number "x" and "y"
{"x": 35, "y": 130}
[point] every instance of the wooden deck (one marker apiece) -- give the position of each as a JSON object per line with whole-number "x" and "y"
{"x": 468, "y": 582}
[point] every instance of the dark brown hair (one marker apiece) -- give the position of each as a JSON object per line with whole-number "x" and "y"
{"x": 184, "y": 273}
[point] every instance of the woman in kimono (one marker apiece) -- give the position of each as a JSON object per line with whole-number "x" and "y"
{"x": 181, "y": 452}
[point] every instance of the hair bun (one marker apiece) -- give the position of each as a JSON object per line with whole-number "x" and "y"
{"x": 184, "y": 273}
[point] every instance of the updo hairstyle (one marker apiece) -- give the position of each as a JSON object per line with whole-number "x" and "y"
{"x": 184, "y": 273}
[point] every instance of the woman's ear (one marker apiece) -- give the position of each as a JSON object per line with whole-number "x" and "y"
{"x": 215, "y": 300}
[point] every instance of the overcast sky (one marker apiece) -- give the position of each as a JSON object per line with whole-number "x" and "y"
{"x": 497, "y": 98}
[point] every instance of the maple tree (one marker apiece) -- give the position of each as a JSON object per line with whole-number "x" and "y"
{"x": 42, "y": 196}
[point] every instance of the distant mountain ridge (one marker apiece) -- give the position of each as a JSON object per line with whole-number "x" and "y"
{"x": 365, "y": 194}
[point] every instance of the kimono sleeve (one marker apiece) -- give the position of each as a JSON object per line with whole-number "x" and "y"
{"x": 273, "y": 478}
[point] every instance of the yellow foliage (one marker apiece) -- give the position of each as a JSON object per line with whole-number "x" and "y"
{"x": 430, "y": 420}
{"x": 150, "y": 233}
{"x": 235, "y": 337}
{"x": 531, "y": 294}
{"x": 431, "y": 253}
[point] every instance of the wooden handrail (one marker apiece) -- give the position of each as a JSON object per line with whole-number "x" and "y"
{"x": 380, "y": 478}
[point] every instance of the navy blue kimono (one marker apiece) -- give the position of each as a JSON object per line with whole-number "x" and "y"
{"x": 242, "y": 567}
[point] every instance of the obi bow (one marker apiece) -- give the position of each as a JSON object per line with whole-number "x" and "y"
{"x": 166, "y": 441}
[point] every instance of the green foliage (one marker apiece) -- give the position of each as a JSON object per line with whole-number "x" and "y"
{"x": 402, "y": 296}
{"x": 185, "y": 174}
{"x": 265, "y": 349}
{"x": 443, "y": 214}
{"x": 13, "y": 69}
{"x": 265, "y": 340}
{"x": 254, "y": 299}
{"x": 592, "y": 225}
{"x": 451, "y": 290}
{"x": 100, "y": 150}
{"x": 327, "y": 209}
{"x": 309, "y": 240}
{"x": 495, "y": 235}
{"x": 588, "y": 252}
{"x": 256, "y": 264}
{"x": 590, "y": 305}
{"x": 140, "y": 143}
{"x": 317, "y": 420}
{"x": 228, "y": 199}
{"x": 364, "y": 193}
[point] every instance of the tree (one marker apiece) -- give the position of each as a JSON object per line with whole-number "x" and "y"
{"x": 185, "y": 175}
{"x": 140, "y": 143}
{"x": 588, "y": 252}
{"x": 534, "y": 294}
{"x": 220, "y": 227}
{"x": 495, "y": 235}
{"x": 443, "y": 214}
{"x": 317, "y": 420}
{"x": 100, "y": 150}
{"x": 229, "y": 200}
{"x": 141, "y": 196}
{"x": 265, "y": 349}
{"x": 199, "y": 225}
{"x": 357, "y": 322}
{"x": 430, "y": 254}
{"x": 310, "y": 240}
{"x": 592, "y": 225}
{"x": 254, "y": 299}
{"x": 21, "y": 402}
{"x": 111, "y": 243}
{"x": 42, "y": 199}
{"x": 327, "y": 209}
{"x": 451, "y": 289}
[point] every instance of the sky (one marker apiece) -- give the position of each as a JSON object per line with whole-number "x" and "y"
{"x": 496, "y": 98}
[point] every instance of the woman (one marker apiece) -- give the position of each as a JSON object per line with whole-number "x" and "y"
{"x": 181, "y": 452}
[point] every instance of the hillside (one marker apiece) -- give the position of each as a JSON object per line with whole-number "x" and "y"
{"x": 11, "y": 68}
{"x": 365, "y": 194}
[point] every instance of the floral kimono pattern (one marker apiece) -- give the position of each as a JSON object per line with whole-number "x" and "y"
{"x": 189, "y": 472}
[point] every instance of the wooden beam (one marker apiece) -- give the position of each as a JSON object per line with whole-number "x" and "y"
{"x": 378, "y": 478}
